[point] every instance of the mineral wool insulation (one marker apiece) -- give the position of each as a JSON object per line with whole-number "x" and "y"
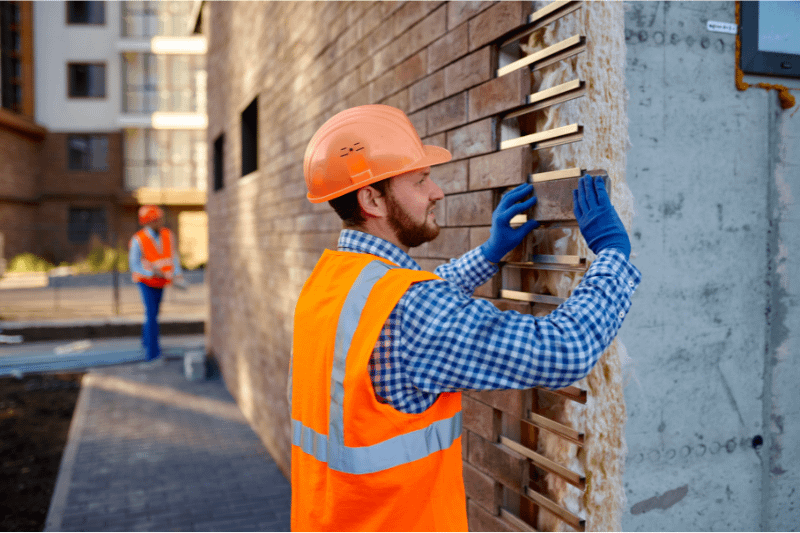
{"x": 602, "y": 112}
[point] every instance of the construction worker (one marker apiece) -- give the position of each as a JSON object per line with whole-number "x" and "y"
{"x": 154, "y": 264}
{"x": 382, "y": 349}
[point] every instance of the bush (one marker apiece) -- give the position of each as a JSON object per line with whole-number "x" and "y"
{"x": 102, "y": 258}
{"x": 28, "y": 262}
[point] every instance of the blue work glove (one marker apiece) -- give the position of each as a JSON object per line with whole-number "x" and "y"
{"x": 503, "y": 238}
{"x": 597, "y": 218}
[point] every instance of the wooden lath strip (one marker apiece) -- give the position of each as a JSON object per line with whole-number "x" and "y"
{"x": 574, "y": 172}
{"x": 531, "y": 297}
{"x": 541, "y": 18}
{"x": 552, "y": 54}
{"x": 546, "y": 503}
{"x": 560, "y": 267}
{"x": 574, "y": 137}
{"x": 549, "y": 97}
{"x": 552, "y": 426}
{"x": 563, "y": 259}
{"x": 573, "y": 478}
{"x": 573, "y": 393}
{"x": 543, "y": 136}
{"x": 514, "y": 520}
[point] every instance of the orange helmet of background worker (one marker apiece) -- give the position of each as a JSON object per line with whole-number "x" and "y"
{"x": 363, "y": 145}
{"x": 149, "y": 213}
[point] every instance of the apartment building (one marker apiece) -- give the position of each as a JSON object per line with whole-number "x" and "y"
{"x": 113, "y": 96}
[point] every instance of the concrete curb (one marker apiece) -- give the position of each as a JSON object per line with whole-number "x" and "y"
{"x": 58, "y": 502}
{"x": 38, "y": 331}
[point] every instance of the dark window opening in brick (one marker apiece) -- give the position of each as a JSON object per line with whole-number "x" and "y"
{"x": 87, "y": 80}
{"x": 85, "y": 222}
{"x": 10, "y": 57}
{"x": 86, "y": 12}
{"x": 219, "y": 161}
{"x": 87, "y": 153}
{"x": 250, "y": 138}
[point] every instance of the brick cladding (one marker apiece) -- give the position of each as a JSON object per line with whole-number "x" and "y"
{"x": 306, "y": 61}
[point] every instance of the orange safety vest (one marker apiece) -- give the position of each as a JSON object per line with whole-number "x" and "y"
{"x": 152, "y": 256}
{"x": 358, "y": 464}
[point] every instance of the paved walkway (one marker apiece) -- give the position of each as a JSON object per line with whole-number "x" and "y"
{"x": 149, "y": 450}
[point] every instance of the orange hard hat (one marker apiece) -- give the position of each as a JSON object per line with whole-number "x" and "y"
{"x": 149, "y": 213}
{"x": 363, "y": 145}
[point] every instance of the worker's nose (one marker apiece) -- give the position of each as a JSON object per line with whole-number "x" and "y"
{"x": 436, "y": 192}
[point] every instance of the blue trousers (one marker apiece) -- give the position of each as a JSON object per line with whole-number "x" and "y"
{"x": 151, "y": 297}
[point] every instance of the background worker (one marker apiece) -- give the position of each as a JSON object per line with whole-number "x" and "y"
{"x": 382, "y": 349}
{"x": 154, "y": 263}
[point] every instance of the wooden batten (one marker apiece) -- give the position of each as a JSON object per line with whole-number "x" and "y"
{"x": 573, "y": 393}
{"x": 550, "y": 97}
{"x": 550, "y": 55}
{"x": 541, "y": 18}
{"x": 561, "y": 430}
{"x": 566, "y": 516}
{"x": 531, "y": 297}
{"x": 573, "y": 478}
{"x": 574, "y": 172}
{"x": 543, "y": 137}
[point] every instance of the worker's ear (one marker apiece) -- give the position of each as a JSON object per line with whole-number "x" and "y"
{"x": 372, "y": 202}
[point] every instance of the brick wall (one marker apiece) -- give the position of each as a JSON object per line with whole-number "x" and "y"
{"x": 20, "y": 170}
{"x": 435, "y": 61}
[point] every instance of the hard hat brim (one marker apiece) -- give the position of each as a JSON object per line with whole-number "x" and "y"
{"x": 434, "y": 155}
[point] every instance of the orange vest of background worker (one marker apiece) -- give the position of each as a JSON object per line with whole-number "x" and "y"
{"x": 159, "y": 257}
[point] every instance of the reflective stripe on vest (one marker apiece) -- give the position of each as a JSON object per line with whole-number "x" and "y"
{"x": 398, "y": 450}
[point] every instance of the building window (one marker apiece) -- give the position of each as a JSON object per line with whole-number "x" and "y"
{"x": 87, "y": 153}
{"x": 219, "y": 161}
{"x": 148, "y": 19}
{"x": 10, "y": 57}
{"x": 87, "y": 80}
{"x": 86, "y": 12}
{"x": 84, "y": 222}
{"x": 165, "y": 159}
{"x": 169, "y": 83}
{"x": 250, "y": 138}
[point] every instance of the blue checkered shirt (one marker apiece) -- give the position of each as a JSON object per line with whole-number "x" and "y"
{"x": 440, "y": 339}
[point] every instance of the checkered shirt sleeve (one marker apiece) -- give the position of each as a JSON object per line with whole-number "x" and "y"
{"x": 440, "y": 339}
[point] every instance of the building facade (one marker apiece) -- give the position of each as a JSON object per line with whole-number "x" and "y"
{"x": 119, "y": 93}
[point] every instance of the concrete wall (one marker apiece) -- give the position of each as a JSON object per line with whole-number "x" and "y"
{"x": 714, "y": 329}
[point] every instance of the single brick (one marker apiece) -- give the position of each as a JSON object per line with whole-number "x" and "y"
{"x": 416, "y": 38}
{"x": 496, "y": 21}
{"x": 500, "y": 169}
{"x": 499, "y": 94}
{"x": 508, "y": 401}
{"x": 427, "y": 91}
{"x": 480, "y": 418}
{"x": 503, "y": 464}
{"x": 436, "y": 140}
{"x": 412, "y": 69}
{"x": 447, "y": 114}
{"x": 468, "y": 71}
{"x": 459, "y": 12}
{"x": 448, "y": 48}
{"x": 479, "y": 235}
{"x": 451, "y": 242}
{"x": 420, "y": 122}
{"x": 398, "y": 100}
{"x": 473, "y": 139}
{"x": 481, "y": 520}
{"x": 410, "y": 14}
{"x": 469, "y": 209}
{"x": 451, "y": 177}
{"x": 482, "y": 489}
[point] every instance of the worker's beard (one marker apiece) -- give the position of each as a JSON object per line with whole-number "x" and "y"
{"x": 409, "y": 232}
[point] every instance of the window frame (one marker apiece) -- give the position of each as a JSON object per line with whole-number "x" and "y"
{"x": 88, "y": 137}
{"x": 102, "y": 224}
{"x": 103, "y": 64}
{"x": 249, "y": 138}
{"x": 66, "y": 14}
{"x": 218, "y": 161}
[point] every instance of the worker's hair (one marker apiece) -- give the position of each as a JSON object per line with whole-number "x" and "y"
{"x": 348, "y": 208}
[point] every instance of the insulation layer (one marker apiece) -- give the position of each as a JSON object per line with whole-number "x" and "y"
{"x": 603, "y": 114}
